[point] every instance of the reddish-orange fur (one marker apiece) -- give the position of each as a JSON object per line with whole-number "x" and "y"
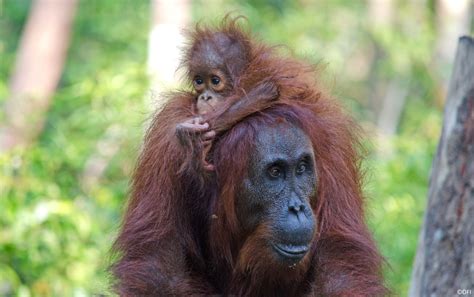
{"x": 180, "y": 235}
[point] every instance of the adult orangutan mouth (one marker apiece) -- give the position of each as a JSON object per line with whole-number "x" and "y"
{"x": 294, "y": 252}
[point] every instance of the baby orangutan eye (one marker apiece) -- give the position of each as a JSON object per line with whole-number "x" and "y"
{"x": 215, "y": 80}
{"x": 198, "y": 81}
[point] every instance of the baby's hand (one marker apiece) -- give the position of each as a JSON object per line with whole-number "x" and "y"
{"x": 193, "y": 128}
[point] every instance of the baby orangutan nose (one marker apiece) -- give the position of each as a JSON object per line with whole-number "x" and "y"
{"x": 205, "y": 97}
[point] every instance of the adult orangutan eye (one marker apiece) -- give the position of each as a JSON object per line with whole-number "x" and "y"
{"x": 215, "y": 80}
{"x": 301, "y": 168}
{"x": 274, "y": 171}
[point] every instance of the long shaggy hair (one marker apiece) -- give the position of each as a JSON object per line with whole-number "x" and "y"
{"x": 180, "y": 235}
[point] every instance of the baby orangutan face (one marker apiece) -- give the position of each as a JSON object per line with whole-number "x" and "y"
{"x": 214, "y": 63}
{"x": 211, "y": 87}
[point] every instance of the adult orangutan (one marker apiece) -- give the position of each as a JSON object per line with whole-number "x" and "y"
{"x": 281, "y": 214}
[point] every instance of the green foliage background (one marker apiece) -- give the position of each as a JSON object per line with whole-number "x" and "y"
{"x": 55, "y": 234}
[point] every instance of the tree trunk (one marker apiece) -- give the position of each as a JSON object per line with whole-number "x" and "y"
{"x": 452, "y": 19}
{"x": 444, "y": 264}
{"x": 38, "y": 67}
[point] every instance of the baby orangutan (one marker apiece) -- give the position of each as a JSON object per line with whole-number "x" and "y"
{"x": 214, "y": 62}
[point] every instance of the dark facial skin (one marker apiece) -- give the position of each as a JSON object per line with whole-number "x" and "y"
{"x": 281, "y": 180}
{"x": 211, "y": 87}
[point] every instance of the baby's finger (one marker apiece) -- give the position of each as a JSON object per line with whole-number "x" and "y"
{"x": 198, "y": 120}
{"x": 194, "y": 127}
{"x": 209, "y": 135}
{"x": 209, "y": 167}
{"x": 206, "y": 143}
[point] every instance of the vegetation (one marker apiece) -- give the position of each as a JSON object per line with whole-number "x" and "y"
{"x": 56, "y": 229}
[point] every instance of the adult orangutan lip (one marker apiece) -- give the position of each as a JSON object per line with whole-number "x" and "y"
{"x": 290, "y": 250}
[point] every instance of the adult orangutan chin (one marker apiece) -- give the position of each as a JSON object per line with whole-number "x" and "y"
{"x": 281, "y": 214}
